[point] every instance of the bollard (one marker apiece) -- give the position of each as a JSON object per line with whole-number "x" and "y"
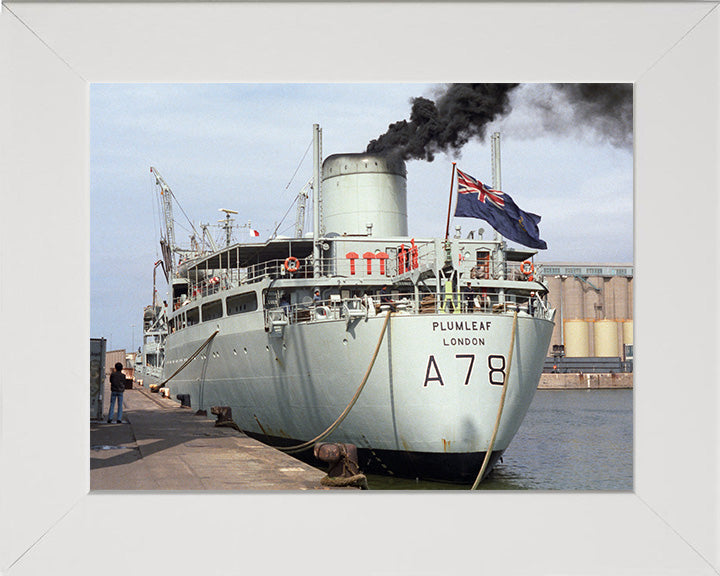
{"x": 184, "y": 400}
{"x": 224, "y": 417}
{"x": 343, "y": 469}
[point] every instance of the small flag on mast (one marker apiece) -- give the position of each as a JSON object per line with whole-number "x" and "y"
{"x": 254, "y": 232}
{"x": 475, "y": 200}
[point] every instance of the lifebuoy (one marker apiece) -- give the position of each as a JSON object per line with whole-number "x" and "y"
{"x": 527, "y": 268}
{"x": 292, "y": 264}
{"x": 322, "y": 313}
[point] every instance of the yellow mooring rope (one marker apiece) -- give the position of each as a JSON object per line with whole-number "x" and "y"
{"x": 500, "y": 408}
{"x": 190, "y": 359}
{"x": 334, "y": 425}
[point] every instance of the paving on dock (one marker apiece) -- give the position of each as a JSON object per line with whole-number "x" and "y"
{"x": 161, "y": 446}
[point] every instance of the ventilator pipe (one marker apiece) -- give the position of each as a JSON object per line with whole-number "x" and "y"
{"x": 488, "y": 453}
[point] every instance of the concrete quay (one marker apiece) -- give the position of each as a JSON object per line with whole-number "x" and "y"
{"x": 161, "y": 446}
{"x": 588, "y": 381}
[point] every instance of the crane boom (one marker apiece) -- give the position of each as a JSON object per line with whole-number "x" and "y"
{"x": 166, "y": 194}
{"x": 167, "y": 242}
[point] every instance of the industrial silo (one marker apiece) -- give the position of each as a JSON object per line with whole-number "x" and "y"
{"x": 554, "y": 285}
{"x": 628, "y": 332}
{"x": 573, "y": 299}
{"x": 577, "y": 338}
{"x": 592, "y": 299}
{"x": 619, "y": 288}
{"x": 606, "y": 338}
{"x": 364, "y": 193}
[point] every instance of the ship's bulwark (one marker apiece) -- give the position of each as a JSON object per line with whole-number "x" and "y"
{"x": 429, "y": 406}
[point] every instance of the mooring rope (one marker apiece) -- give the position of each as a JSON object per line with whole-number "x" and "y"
{"x": 194, "y": 355}
{"x": 500, "y": 408}
{"x": 334, "y": 425}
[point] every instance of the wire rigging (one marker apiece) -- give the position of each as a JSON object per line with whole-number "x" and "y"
{"x": 183, "y": 211}
{"x": 298, "y": 167}
{"x": 283, "y": 218}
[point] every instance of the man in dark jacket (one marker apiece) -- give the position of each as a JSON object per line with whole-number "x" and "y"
{"x": 117, "y": 388}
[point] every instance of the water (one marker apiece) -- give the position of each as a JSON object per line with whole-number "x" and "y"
{"x": 569, "y": 440}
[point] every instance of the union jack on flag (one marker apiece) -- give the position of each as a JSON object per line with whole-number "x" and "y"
{"x": 475, "y": 200}
{"x": 468, "y": 185}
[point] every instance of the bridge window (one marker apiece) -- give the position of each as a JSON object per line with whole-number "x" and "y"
{"x": 212, "y": 310}
{"x": 240, "y": 303}
{"x": 193, "y": 316}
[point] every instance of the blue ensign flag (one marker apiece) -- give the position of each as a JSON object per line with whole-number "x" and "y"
{"x": 475, "y": 200}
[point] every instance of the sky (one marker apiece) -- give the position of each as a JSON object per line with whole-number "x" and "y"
{"x": 245, "y": 147}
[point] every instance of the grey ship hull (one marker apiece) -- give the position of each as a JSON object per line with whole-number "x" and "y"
{"x": 428, "y": 408}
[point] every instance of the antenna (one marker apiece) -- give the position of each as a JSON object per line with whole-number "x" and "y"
{"x": 227, "y": 224}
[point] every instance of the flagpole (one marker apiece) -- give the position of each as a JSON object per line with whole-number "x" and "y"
{"x": 452, "y": 183}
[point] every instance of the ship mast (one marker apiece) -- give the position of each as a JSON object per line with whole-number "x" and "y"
{"x": 496, "y": 185}
{"x": 317, "y": 159}
{"x": 227, "y": 224}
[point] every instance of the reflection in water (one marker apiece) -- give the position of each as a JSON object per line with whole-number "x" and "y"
{"x": 569, "y": 440}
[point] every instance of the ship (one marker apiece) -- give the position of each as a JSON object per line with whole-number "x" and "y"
{"x": 150, "y": 361}
{"x": 416, "y": 342}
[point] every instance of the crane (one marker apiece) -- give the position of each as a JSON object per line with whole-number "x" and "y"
{"x": 167, "y": 242}
{"x": 207, "y": 236}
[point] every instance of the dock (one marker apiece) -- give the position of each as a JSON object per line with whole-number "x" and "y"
{"x": 587, "y": 381}
{"x": 161, "y": 446}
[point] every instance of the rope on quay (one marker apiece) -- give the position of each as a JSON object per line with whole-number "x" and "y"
{"x": 334, "y": 425}
{"x": 488, "y": 453}
{"x": 194, "y": 355}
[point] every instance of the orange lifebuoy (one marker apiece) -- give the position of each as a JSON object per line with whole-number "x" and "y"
{"x": 292, "y": 264}
{"x": 529, "y": 270}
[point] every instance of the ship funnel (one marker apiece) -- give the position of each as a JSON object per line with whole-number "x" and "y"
{"x": 362, "y": 192}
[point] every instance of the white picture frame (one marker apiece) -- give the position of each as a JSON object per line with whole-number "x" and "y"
{"x": 49, "y": 522}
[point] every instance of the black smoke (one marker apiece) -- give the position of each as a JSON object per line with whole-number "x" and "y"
{"x": 604, "y": 109}
{"x": 464, "y": 111}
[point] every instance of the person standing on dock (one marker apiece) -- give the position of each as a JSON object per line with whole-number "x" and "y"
{"x": 117, "y": 389}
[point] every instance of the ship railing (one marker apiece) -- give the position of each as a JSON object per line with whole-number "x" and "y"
{"x": 356, "y": 308}
{"x": 367, "y": 269}
{"x": 486, "y": 301}
{"x": 487, "y": 269}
